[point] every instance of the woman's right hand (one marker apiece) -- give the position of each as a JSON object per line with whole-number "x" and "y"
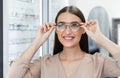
{"x": 44, "y": 32}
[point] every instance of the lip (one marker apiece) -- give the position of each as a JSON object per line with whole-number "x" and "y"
{"x": 68, "y": 37}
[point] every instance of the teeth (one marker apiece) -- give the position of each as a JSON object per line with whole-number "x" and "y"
{"x": 68, "y": 38}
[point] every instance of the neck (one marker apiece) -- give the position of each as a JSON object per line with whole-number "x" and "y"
{"x": 71, "y": 53}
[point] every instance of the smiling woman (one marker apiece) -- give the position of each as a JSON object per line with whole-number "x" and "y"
{"x": 76, "y": 16}
{"x": 71, "y": 58}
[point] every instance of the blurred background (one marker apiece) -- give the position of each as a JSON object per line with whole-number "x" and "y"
{"x": 20, "y": 19}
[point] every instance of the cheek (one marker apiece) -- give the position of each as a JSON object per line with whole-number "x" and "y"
{"x": 81, "y": 31}
{"x": 78, "y": 35}
{"x": 59, "y": 37}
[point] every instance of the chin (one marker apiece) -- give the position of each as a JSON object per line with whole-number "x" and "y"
{"x": 68, "y": 45}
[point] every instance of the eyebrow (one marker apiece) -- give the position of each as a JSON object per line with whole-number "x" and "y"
{"x": 68, "y": 22}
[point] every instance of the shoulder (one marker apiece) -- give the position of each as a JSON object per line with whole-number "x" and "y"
{"x": 97, "y": 57}
{"x": 49, "y": 58}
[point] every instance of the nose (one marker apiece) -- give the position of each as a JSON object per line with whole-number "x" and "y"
{"x": 67, "y": 30}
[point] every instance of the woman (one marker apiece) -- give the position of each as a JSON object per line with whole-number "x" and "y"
{"x": 71, "y": 57}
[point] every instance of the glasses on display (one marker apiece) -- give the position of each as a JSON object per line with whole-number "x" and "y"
{"x": 21, "y": 41}
{"x": 74, "y": 26}
{"x": 22, "y": 27}
{"x": 28, "y": 1}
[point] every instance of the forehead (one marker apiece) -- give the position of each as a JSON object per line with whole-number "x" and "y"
{"x": 68, "y": 17}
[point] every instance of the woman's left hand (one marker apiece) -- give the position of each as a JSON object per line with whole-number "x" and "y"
{"x": 91, "y": 28}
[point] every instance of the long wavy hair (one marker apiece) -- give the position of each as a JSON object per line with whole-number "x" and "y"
{"x": 58, "y": 47}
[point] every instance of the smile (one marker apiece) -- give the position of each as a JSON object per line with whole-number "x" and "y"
{"x": 68, "y": 37}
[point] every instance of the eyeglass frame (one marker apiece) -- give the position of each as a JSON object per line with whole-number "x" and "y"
{"x": 68, "y": 24}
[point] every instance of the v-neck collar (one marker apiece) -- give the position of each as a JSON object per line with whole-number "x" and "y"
{"x": 63, "y": 70}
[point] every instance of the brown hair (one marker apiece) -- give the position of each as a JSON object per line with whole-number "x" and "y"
{"x": 58, "y": 47}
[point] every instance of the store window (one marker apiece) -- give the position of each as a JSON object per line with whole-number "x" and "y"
{"x": 23, "y": 17}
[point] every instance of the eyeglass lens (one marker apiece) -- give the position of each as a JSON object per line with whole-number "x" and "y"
{"x": 74, "y": 26}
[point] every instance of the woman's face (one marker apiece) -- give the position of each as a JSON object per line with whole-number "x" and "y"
{"x": 70, "y": 36}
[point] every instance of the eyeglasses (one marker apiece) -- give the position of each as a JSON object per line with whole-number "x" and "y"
{"x": 61, "y": 26}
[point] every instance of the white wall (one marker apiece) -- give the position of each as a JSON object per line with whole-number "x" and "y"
{"x": 111, "y": 6}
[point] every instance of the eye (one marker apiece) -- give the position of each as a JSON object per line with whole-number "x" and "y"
{"x": 75, "y": 24}
{"x": 60, "y": 25}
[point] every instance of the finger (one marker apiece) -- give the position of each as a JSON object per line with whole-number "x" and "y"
{"x": 84, "y": 27}
{"x": 40, "y": 28}
{"x": 45, "y": 27}
{"x": 93, "y": 22}
{"x": 51, "y": 25}
{"x": 89, "y": 23}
